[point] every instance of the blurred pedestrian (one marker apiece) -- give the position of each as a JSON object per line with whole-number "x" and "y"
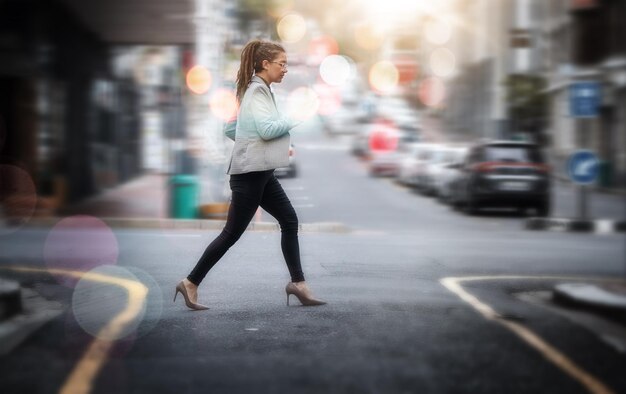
{"x": 262, "y": 141}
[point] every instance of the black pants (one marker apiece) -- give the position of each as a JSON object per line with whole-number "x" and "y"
{"x": 249, "y": 191}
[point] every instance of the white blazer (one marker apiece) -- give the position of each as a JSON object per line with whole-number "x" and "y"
{"x": 260, "y": 133}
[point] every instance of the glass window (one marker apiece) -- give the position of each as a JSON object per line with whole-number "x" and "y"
{"x": 513, "y": 154}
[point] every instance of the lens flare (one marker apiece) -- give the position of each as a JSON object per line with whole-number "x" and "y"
{"x": 367, "y": 37}
{"x": 99, "y": 305}
{"x": 335, "y": 70}
{"x": 437, "y": 31}
{"x": 384, "y": 77}
{"x": 291, "y": 28}
{"x": 199, "y": 79}
{"x": 80, "y": 243}
{"x": 153, "y": 302}
{"x": 320, "y": 48}
{"x": 18, "y": 197}
{"x": 223, "y": 104}
{"x": 303, "y": 103}
{"x": 432, "y": 92}
{"x": 442, "y": 62}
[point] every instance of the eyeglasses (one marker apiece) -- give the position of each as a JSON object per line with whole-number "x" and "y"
{"x": 284, "y": 66}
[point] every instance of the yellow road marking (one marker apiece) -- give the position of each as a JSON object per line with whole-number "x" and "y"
{"x": 81, "y": 378}
{"x": 591, "y": 383}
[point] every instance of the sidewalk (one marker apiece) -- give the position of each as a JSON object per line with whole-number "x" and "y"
{"x": 144, "y": 197}
{"x": 143, "y": 203}
{"x": 599, "y": 224}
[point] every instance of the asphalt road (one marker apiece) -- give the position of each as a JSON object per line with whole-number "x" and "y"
{"x": 390, "y": 326}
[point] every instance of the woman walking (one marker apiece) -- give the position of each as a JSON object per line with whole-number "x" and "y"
{"x": 261, "y": 138}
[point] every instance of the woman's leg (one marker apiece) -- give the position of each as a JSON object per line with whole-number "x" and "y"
{"x": 247, "y": 190}
{"x": 277, "y": 204}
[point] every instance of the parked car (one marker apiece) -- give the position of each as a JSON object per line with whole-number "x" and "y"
{"x": 346, "y": 120}
{"x": 291, "y": 171}
{"x": 412, "y": 165}
{"x": 360, "y": 141}
{"x": 387, "y": 148}
{"x": 503, "y": 174}
{"x": 448, "y": 173}
{"x": 439, "y": 155}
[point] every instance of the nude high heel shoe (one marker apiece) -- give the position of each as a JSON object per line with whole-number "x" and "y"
{"x": 180, "y": 288}
{"x": 303, "y": 296}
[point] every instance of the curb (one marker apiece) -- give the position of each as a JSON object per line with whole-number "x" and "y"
{"x": 591, "y": 297}
{"x": 595, "y": 188}
{"x": 196, "y": 224}
{"x": 10, "y": 299}
{"x": 36, "y": 312}
{"x": 598, "y": 226}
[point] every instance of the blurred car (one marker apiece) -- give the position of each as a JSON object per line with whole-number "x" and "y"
{"x": 438, "y": 155}
{"x": 360, "y": 142}
{"x": 387, "y": 149}
{"x": 413, "y": 164}
{"x": 436, "y": 167}
{"x": 503, "y": 174}
{"x": 448, "y": 172}
{"x": 343, "y": 121}
{"x": 291, "y": 171}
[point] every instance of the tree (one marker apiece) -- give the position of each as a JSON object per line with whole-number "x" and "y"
{"x": 527, "y": 103}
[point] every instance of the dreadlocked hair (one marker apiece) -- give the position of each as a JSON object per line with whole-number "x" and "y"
{"x": 252, "y": 57}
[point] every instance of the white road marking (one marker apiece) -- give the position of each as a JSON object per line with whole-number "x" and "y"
{"x": 591, "y": 383}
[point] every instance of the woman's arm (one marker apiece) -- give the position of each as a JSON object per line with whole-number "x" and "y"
{"x": 268, "y": 125}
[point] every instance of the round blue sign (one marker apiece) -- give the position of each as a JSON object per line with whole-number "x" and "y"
{"x": 583, "y": 167}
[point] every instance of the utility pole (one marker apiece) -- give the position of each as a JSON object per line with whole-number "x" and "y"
{"x": 588, "y": 50}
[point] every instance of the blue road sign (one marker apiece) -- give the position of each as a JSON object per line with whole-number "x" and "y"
{"x": 583, "y": 167}
{"x": 585, "y": 98}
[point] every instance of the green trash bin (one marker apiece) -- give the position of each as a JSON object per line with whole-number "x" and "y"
{"x": 183, "y": 191}
{"x": 605, "y": 173}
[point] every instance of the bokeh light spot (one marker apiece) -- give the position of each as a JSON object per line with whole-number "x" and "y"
{"x": 303, "y": 103}
{"x": 96, "y": 304}
{"x": 437, "y": 31}
{"x": 153, "y": 302}
{"x": 432, "y": 92}
{"x": 442, "y": 62}
{"x": 18, "y": 197}
{"x": 383, "y": 137}
{"x": 384, "y": 77}
{"x": 335, "y": 70}
{"x": 80, "y": 243}
{"x": 291, "y": 28}
{"x": 223, "y": 104}
{"x": 367, "y": 37}
{"x": 199, "y": 79}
